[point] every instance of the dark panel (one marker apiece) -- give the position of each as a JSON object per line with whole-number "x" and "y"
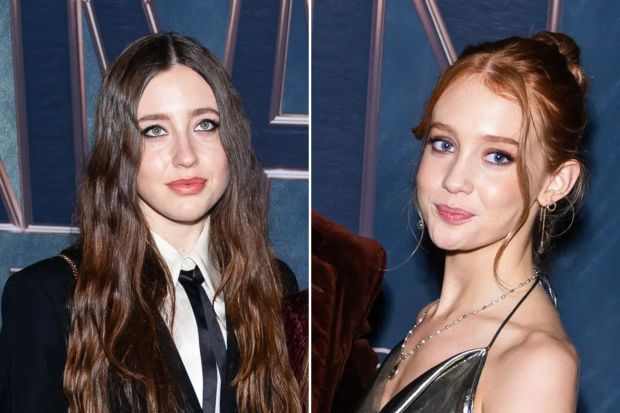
{"x": 92, "y": 78}
{"x": 277, "y": 146}
{"x": 48, "y": 108}
{"x": 9, "y": 161}
{"x": 341, "y": 46}
{"x": 4, "y": 217}
{"x": 288, "y": 224}
{"x": 586, "y": 269}
{"x": 120, "y": 22}
{"x": 295, "y": 93}
{"x": 470, "y": 22}
{"x": 409, "y": 74}
{"x": 207, "y": 22}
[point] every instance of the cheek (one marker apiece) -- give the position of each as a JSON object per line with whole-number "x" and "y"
{"x": 219, "y": 170}
{"x": 224, "y": 173}
{"x": 501, "y": 197}
{"x": 151, "y": 168}
{"x": 154, "y": 169}
{"x": 144, "y": 176}
{"x": 428, "y": 179}
{"x": 220, "y": 163}
{"x": 424, "y": 174}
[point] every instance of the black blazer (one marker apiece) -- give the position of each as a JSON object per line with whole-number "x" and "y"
{"x": 33, "y": 344}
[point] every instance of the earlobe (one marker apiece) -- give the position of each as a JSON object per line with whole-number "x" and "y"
{"x": 559, "y": 183}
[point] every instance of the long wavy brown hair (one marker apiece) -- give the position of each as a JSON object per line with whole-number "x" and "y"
{"x": 543, "y": 75}
{"x": 115, "y": 356}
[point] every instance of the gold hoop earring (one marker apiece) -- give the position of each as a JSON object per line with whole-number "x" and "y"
{"x": 572, "y": 220}
{"x": 420, "y": 223}
{"x": 543, "y": 217}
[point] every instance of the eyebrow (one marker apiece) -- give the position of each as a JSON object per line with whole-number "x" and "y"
{"x": 501, "y": 139}
{"x": 492, "y": 138}
{"x": 202, "y": 111}
{"x": 192, "y": 113}
{"x": 442, "y": 126}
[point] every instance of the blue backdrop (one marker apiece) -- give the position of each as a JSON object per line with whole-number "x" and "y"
{"x": 53, "y": 55}
{"x": 374, "y": 66}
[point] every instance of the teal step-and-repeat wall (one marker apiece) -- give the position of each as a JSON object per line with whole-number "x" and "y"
{"x": 53, "y": 56}
{"x": 374, "y": 66}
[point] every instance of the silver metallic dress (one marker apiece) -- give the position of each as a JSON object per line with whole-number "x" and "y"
{"x": 448, "y": 387}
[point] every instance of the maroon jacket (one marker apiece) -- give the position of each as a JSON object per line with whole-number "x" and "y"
{"x": 347, "y": 272}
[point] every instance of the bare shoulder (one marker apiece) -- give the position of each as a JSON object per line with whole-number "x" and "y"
{"x": 541, "y": 357}
{"x": 537, "y": 374}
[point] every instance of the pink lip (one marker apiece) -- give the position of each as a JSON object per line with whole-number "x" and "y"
{"x": 188, "y": 186}
{"x": 453, "y": 216}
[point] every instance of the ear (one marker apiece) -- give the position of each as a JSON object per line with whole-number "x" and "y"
{"x": 558, "y": 184}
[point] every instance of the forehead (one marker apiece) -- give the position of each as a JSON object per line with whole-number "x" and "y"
{"x": 176, "y": 89}
{"x": 472, "y": 109}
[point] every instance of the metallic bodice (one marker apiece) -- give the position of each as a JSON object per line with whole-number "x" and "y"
{"x": 448, "y": 387}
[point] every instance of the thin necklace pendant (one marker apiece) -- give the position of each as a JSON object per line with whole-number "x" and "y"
{"x": 404, "y": 356}
{"x": 394, "y": 370}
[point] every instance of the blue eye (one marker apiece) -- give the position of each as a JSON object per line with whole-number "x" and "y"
{"x": 441, "y": 145}
{"x": 207, "y": 125}
{"x": 153, "y": 131}
{"x": 499, "y": 158}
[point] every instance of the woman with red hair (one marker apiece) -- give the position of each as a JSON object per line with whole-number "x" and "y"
{"x": 501, "y": 171}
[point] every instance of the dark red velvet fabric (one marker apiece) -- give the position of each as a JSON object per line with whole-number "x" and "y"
{"x": 347, "y": 272}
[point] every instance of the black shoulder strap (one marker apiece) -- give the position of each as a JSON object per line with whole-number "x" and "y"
{"x": 534, "y": 284}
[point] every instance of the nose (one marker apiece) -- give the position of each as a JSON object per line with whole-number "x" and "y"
{"x": 184, "y": 152}
{"x": 458, "y": 176}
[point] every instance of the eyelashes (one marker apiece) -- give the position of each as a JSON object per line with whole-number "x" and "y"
{"x": 153, "y": 131}
{"x": 441, "y": 145}
{"x": 205, "y": 125}
{"x": 499, "y": 158}
{"x": 496, "y": 157}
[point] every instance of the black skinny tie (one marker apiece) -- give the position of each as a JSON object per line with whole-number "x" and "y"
{"x": 212, "y": 346}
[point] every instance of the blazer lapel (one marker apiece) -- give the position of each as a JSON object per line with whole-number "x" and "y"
{"x": 185, "y": 383}
{"x": 228, "y": 400}
{"x": 228, "y": 396}
{"x": 169, "y": 348}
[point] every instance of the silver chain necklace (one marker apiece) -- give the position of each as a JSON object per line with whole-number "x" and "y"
{"x": 404, "y": 356}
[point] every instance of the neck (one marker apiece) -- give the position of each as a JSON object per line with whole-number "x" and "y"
{"x": 182, "y": 236}
{"x": 469, "y": 278}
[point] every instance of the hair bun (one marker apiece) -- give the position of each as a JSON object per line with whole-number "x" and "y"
{"x": 567, "y": 48}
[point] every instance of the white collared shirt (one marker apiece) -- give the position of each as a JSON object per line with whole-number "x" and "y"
{"x": 185, "y": 331}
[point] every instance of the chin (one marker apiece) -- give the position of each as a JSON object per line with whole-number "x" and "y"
{"x": 188, "y": 217}
{"x": 181, "y": 214}
{"x": 450, "y": 239}
{"x": 447, "y": 245}
{"x": 453, "y": 241}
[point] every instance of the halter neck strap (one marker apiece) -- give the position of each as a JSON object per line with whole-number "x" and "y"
{"x": 534, "y": 284}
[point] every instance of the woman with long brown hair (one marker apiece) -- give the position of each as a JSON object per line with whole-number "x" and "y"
{"x": 171, "y": 300}
{"x": 501, "y": 172}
